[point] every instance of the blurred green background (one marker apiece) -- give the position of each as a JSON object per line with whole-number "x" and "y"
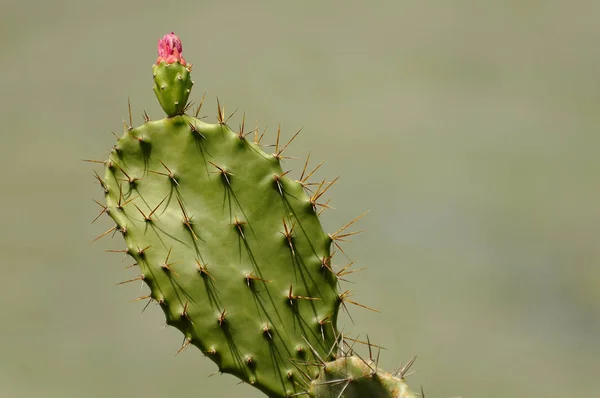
{"x": 468, "y": 128}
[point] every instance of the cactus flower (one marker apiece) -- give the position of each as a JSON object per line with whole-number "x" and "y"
{"x": 169, "y": 49}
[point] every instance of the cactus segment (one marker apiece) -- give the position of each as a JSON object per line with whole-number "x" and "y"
{"x": 353, "y": 377}
{"x": 172, "y": 86}
{"x": 232, "y": 248}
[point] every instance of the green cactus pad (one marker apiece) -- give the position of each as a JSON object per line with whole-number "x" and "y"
{"x": 353, "y": 377}
{"x": 172, "y": 86}
{"x": 231, "y": 248}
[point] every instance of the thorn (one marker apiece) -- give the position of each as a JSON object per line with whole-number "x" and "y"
{"x": 130, "y": 118}
{"x": 256, "y": 140}
{"x": 267, "y": 331}
{"x": 188, "y": 106}
{"x": 292, "y": 297}
{"x": 365, "y": 342}
{"x": 224, "y": 173}
{"x": 184, "y": 313}
{"x": 326, "y": 262}
{"x": 324, "y": 206}
{"x": 277, "y": 179}
{"x": 139, "y": 278}
{"x": 238, "y": 224}
{"x": 101, "y": 181}
{"x": 250, "y": 277}
{"x": 140, "y": 298}
{"x": 335, "y": 234}
{"x": 105, "y": 233}
{"x": 129, "y": 179}
{"x": 220, "y": 112}
{"x": 320, "y": 193}
{"x": 94, "y": 161}
{"x": 200, "y": 105}
{"x": 221, "y": 319}
{"x": 142, "y": 251}
{"x": 403, "y": 370}
{"x": 315, "y": 353}
{"x": 277, "y": 154}
{"x": 146, "y": 117}
{"x": 277, "y": 141}
{"x": 132, "y": 265}
{"x": 322, "y": 322}
{"x": 304, "y": 168}
{"x": 104, "y": 210}
{"x": 187, "y": 221}
{"x": 303, "y": 180}
{"x": 288, "y": 235}
{"x": 242, "y": 126}
{"x": 185, "y": 345}
{"x": 344, "y": 298}
{"x": 202, "y": 269}
{"x": 195, "y": 130}
{"x": 344, "y": 271}
{"x": 166, "y": 265}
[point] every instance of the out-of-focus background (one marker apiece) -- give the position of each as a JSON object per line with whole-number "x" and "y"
{"x": 468, "y": 128}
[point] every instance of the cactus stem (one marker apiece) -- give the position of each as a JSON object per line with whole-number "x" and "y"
{"x": 105, "y": 233}
{"x": 139, "y": 278}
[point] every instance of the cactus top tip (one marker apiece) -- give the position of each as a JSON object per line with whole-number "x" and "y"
{"x": 169, "y": 49}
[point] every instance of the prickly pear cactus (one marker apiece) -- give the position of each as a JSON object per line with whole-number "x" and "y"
{"x": 232, "y": 248}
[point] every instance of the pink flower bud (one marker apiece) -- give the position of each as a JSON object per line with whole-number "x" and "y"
{"x": 169, "y": 49}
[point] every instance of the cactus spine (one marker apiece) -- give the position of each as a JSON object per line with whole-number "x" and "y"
{"x": 233, "y": 250}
